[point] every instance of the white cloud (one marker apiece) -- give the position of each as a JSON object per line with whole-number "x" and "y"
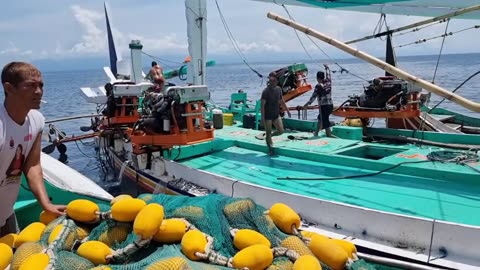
{"x": 11, "y": 50}
{"x": 83, "y": 32}
{"x": 93, "y": 39}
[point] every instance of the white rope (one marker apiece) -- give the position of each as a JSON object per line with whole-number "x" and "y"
{"x": 129, "y": 249}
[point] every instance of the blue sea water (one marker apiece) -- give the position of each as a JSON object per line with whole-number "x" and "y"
{"x": 62, "y": 92}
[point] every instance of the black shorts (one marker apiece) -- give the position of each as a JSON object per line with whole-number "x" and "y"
{"x": 11, "y": 226}
{"x": 324, "y": 116}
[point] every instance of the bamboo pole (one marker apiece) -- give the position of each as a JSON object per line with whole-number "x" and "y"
{"x": 420, "y": 23}
{"x": 474, "y": 106}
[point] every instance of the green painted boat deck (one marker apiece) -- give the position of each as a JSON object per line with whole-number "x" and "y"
{"x": 448, "y": 192}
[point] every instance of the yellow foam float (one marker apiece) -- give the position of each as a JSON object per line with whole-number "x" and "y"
{"x": 83, "y": 210}
{"x": 6, "y": 255}
{"x": 284, "y": 217}
{"x": 126, "y": 209}
{"x": 327, "y": 251}
{"x": 31, "y": 233}
{"x": 171, "y": 231}
{"x": 307, "y": 262}
{"x": 148, "y": 221}
{"x": 309, "y": 234}
{"x": 94, "y": 251}
{"x": 47, "y": 217}
{"x": 24, "y": 252}
{"x": 36, "y": 262}
{"x": 54, "y": 234}
{"x": 246, "y": 237}
{"x": 192, "y": 242}
{"x": 256, "y": 257}
{"x": 348, "y": 246}
{"x": 9, "y": 239}
{"x": 119, "y": 198}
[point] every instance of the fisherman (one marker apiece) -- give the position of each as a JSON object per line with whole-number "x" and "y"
{"x": 323, "y": 92}
{"x": 21, "y": 126}
{"x": 272, "y": 99}
{"x": 110, "y": 109}
{"x": 156, "y": 76}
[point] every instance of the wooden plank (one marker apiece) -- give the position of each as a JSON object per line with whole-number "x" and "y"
{"x": 436, "y": 124}
{"x": 443, "y": 117}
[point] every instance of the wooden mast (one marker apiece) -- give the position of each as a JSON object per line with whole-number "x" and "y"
{"x": 474, "y": 106}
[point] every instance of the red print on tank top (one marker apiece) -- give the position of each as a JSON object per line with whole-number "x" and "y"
{"x": 27, "y": 137}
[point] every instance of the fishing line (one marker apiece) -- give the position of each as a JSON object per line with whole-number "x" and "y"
{"x": 234, "y": 42}
{"x": 80, "y": 150}
{"x": 352, "y": 176}
{"x": 462, "y": 158}
{"x": 162, "y": 61}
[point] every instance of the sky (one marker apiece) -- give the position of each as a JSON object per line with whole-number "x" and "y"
{"x": 72, "y": 33}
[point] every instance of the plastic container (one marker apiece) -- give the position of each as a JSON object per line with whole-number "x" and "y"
{"x": 217, "y": 119}
{"x": 228, "y": 119}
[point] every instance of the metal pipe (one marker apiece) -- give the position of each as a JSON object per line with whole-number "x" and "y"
{"x": 420, "y": 23}
{"x": 474, "y": 106}
{"x": 71, "y": 118}
{"x": 395, "y": 263}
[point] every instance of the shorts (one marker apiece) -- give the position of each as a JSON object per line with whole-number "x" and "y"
{"x": 11, "y": 226}
{"x": 324, "y": 116}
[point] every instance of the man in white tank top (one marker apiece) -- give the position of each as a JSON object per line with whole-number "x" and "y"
{"x": 21, "y": 125}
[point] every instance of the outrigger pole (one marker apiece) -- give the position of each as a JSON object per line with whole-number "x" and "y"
{"x": 474, "y": 106}
{"x": 417, "y": 24}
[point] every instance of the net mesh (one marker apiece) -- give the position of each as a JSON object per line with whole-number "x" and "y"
{"x": 214, "y": 215}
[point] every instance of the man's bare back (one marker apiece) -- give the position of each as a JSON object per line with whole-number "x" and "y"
{"x": 156, "y": 73}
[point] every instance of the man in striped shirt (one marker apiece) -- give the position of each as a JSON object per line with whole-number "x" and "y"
{"x": 323, "y": 92}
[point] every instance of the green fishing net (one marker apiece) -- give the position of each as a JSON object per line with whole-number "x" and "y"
{"x": 214, "y": 215}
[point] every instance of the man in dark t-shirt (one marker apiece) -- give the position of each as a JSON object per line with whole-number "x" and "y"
{"x": 272, "y": 99}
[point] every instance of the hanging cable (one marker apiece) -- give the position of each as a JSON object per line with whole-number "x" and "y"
{"x": 427, "y": 102}
{"x": 441, "y": 50}
{"x": 440, "y": 36}
{"x": 234, "y": 42}
{"x": 162, "y": 61}
{"x": 382, "y": 22}
{"x": 417, "y": 29}
{"x": 298, "y": 37}
{"x": 455, "y": 90}
{"x": 342, "y": 69}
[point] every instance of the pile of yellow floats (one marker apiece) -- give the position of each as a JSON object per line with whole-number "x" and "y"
{"x": 255, "y": 252}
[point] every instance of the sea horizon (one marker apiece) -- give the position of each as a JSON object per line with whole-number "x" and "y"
{"x": 88, "y": 64}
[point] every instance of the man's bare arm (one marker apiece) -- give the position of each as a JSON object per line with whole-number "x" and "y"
{"x": 285, "y": 107}
{"x": 34, "y": 173}
{"x": 263, "y": 110}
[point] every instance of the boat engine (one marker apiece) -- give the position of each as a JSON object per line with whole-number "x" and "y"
{"x": 387, "y": 93}
{"x": 157, "y": 111}
{"x": 172, "y": 118}
{"x": 293, "y": 81}
{"x": 384, "y": 97}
